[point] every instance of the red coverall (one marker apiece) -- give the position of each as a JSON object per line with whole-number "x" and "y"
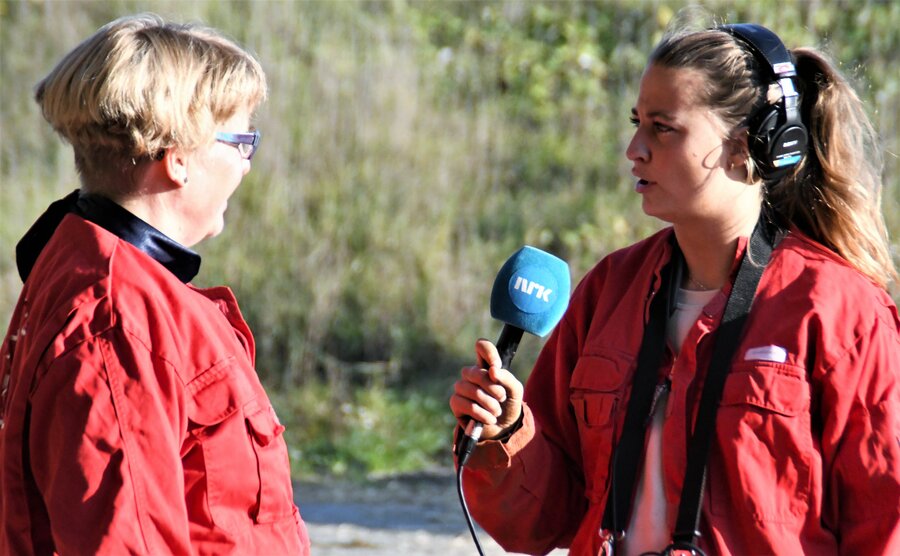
{"x": 134, "y": 421}
{"x": 806, "y": 455}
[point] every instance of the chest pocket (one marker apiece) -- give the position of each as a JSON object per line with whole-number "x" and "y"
{"x": 242, "y": 458}
{"x": 764, "y": 442}
{"x": 596, "y": 393}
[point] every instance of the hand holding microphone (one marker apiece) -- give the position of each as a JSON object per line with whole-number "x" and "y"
{"x": 530, "y": 293}
{"x": 488, "y": 393}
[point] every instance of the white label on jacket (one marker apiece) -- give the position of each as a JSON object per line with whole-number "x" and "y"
{"x": 776, "y": 354}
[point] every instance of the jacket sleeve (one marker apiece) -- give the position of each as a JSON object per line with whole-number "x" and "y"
{"x": 528, "y": 493}
{"x": 104, "y": 445}
{"x": 861, "y": 443}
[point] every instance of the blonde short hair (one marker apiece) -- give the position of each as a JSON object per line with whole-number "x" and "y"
{"x": 140, "y": 85}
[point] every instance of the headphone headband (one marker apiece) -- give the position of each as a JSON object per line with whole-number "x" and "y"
{"x": 765, "y": 45}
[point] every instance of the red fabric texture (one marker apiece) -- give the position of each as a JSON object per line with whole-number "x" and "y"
{"x": 806, "y": 457}
{"x": 134, "y": 421}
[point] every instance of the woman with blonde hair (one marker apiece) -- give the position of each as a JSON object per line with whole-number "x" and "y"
{"x": 729, "y": 384}
{"x": 133, "y": 420}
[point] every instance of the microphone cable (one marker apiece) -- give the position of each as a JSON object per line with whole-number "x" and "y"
{"x": 465, "y": 508}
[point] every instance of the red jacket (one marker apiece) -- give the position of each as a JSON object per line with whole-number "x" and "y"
{"x": 134, "y": 421}
{"x": 806, "y": 458}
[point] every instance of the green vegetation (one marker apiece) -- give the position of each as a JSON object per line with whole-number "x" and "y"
{"x": 408, "y": 148}
{"x": 369, "y": 431}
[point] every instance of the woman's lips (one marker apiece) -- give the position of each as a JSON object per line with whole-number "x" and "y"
{"x": 642, "y": 185}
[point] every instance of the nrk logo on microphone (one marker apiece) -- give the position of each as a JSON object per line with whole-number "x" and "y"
{"x": 533, "y": 289}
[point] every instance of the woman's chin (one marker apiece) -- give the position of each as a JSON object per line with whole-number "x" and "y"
{"x": 654, "y": 212}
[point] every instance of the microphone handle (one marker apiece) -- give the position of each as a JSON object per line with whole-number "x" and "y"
{"x": 507, "y": 344}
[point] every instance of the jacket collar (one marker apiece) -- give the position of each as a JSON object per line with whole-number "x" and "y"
{"x": 179, "y": 260}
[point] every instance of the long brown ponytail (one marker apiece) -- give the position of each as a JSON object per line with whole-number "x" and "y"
{"x": 835, "y": 194}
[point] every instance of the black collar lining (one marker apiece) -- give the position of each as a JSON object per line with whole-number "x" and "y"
{"x": 178, "y": 259}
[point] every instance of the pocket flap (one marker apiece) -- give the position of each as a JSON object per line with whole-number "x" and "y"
{"x": 776, "y": 387}
{"x": 217, "y": 393}
{"x": 601, "y": 372}
{"x": 264, "y": 425}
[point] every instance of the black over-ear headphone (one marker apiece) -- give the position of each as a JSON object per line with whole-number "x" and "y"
{"x": 777, "y": 136}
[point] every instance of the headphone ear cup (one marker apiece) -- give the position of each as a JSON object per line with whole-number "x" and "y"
{"x": 761, "y": 129}
{"x": 776, "y": 144}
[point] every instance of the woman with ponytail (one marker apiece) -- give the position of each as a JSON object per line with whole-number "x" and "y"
{"x": 731, "y": 384}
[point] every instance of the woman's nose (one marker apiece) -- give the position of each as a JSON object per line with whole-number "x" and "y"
{"x": 637, "y": 149}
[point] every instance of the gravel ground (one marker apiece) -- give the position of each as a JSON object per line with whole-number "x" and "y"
{"x": 409, "y": 515}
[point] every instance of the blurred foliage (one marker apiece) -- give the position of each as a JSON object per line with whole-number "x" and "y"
{"x": 370, "y": 431}
{"x": 408, "y": 148}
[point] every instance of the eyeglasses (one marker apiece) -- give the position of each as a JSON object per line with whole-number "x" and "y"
{"x": 246, "y": 143}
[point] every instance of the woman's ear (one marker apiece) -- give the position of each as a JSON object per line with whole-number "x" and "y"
{"x": 737, "y": 152}
{"x": 175, "y": 163}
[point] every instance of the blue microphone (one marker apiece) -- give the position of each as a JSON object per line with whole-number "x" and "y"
{"x": 530, "y": 294}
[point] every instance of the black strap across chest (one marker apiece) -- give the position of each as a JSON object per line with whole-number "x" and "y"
{"x": 628, "y": 453}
